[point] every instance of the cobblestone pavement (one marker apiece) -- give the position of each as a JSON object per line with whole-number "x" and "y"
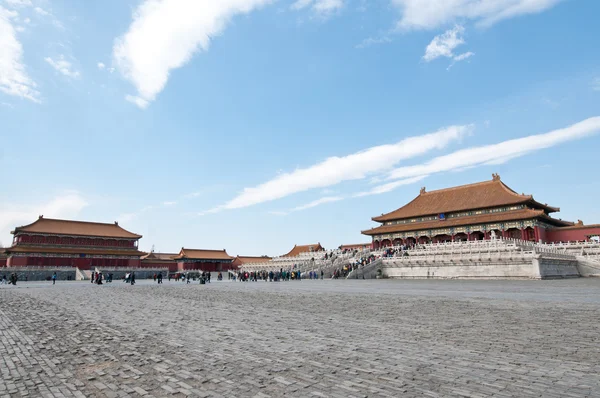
{"x": 302, "y": 339}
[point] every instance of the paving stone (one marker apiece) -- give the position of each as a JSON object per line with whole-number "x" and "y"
{"x": 309, "y": 338}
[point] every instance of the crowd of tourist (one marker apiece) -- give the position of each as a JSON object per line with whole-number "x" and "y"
{"x": 276, "y": 276}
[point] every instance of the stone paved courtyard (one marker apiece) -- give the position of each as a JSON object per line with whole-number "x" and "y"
{"x": 311, "y": 338}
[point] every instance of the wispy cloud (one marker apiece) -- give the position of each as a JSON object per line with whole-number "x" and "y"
{"x": 66, "y": 205}
{"x": 322, "y": 8}
{"x": 125, "y": 217}
{"x": 318, "y": 202}
{"x": 463, "y": 56}
{"x": 310, "y": 205}
{"x": 165, "y": 34}
{"x": 356, "y": 166}
{"x": 63, "y": 66}
{"x": 19, "y": 3}
{"x": 596, "y": 84}
{"x": 501, "y": 152}
{"x": 444, "y": 45}
{"x": 384, "y": 188}
{"x": 41, "y": 11}
{"x": 550, "y": 103}
{"x": 101, "y": 65}
{"x": 430, "y": 14}
{"x": 140, "y": 102}
{"x": 14, "y": 79}
{"x": 371, "y": 41}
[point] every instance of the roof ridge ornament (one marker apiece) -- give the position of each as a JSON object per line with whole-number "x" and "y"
{"x": 423, "y": 190}
{"x": 495, "y": 177}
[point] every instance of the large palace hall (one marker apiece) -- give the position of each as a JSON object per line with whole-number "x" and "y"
{"x": 476, "y": 211}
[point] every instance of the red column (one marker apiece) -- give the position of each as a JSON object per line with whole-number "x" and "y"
{"x": 523, "y": 237}
{"x": 536, "y": 233}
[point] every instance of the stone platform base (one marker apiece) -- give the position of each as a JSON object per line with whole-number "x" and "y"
{"x": 535, "y": 268}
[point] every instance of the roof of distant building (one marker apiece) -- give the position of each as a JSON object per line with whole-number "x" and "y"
{"x": 473, "y": 220}
{"x": 76, "y": 228}
{"x": 160, "y": 256}
{"x": 201, "y": 254}
{"x": 480, "y": 195}
{"x": 297, "y": 250}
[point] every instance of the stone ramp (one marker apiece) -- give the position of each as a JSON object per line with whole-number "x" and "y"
{"x": 588, "y": 267}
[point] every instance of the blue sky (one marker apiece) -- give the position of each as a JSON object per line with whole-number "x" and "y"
{"x": 254, "y": 125}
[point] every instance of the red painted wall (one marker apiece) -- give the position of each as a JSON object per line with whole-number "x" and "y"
{"x": 543, "y": 234}
{"x": 81, "y": 263}
{"x": 568, "y": 235}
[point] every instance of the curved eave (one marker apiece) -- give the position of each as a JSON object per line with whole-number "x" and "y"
{"x": 549, "y": 209}
{"x": 525, "y": 214}
{"x": 18, "y": 230}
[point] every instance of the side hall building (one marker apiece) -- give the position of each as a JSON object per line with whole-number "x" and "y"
{"x": 475, "y": 212}
{"x": 64, "y": 243}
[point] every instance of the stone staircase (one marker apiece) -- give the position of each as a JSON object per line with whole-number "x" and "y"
{"x": 369, "y": 271}
{"x": 83, "y": 275}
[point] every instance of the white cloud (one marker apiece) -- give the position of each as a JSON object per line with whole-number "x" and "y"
{"x": 318, "y": 202}
{"x": 320, "y": 7}
{"x": 429, "y": 14}
{"x": 443, "y": 45}
{"x": 390, "y": 186}
{"x": 41, "y": 11}
{"x": 463, "y": 56}
{"x": 501, "y": 152}
{"x": 371, "y": 41}
{"x": 19, "y": 3}
{"x": 169, "y": 203}
{"x": 140, "y": 102}
{"x": 14, "y": 79}
{"x": 165, "y": 34}
{"x": 596, "y": 84}
{"x": 67, "y": 205}
{"x": 101, "y": 66}
{"x": 301, "y": 4}
{"x": 310, "y": 205}
{"x": 63, "y": 66}
{"x": 335, "y": 169}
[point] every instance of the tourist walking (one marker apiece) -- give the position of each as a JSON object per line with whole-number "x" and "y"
{"x": 132, "y": 276}
{"x": 3, "y": 282}
{"x": 13, "y": 278}
{"x": 159, "y": 278}
{"x": 54, "y": 278}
